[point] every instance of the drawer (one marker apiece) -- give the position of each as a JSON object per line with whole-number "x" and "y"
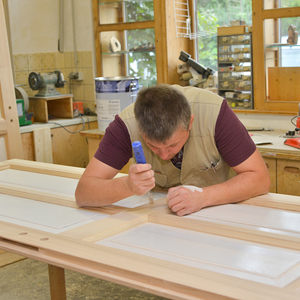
{"x": 288, "y": 177}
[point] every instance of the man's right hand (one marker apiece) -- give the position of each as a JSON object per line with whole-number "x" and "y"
{"x": 140, "y": 179}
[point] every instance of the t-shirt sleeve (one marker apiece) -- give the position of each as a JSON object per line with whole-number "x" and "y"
{"x": 115, "y": 148}
{"x": 232, "y": 138}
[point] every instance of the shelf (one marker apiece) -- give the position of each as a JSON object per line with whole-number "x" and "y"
{"x": 103, "y": 2}
{"x": 127, "y": 52}
{"x": 276, "y": 45}
{"x": 234, "y": 53}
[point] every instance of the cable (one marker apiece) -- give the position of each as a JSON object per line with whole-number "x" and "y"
{"x": 293, "y": 120}
{"x": 82, "y": 128}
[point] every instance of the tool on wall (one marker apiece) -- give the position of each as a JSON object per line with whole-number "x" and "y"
{"x": 194, "y": 73}
{"x": 46, "y": 83}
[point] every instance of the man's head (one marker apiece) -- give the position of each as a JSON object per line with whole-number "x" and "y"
{"x": 164, "y": 118}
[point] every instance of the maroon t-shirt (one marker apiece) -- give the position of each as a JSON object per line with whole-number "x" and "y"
{"x": 232, "y": 140}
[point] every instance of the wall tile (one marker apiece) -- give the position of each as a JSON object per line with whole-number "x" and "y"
{"x": 22, "y": 78}
{"x": 88, "y": 75}
{"x": 21, "y": 62}
{"x": 78, "y": 92}
{"x": 59, "y": 61}
{"x": 35, "y": 62}
{"x": 79, "y": 59}
{"x": 87, "y": 60}
{"x": 48, "y": 61}
{"x": 69, "y": 60}
{"x": 89, "y": 92}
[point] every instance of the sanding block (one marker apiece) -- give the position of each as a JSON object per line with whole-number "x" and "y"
{"x": 294, "y": 142}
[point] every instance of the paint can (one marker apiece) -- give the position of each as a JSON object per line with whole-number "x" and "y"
{"x": 113, "y": 94}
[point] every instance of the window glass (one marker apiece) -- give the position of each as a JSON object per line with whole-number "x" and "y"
{"x": 270, "y": 4}
{"x": 142, "y": 61}
{"x": 210, "y": 15}
{"x": 125, "y": 11}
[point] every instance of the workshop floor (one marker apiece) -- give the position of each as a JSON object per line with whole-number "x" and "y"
{"x": 28, "y": 280}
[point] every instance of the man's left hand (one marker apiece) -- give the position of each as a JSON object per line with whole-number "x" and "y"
{"x": 182, "y": 200}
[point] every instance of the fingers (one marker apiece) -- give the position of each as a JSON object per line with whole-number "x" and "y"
{"x": 141, "y": 178}
{"x": 183, "y": 201}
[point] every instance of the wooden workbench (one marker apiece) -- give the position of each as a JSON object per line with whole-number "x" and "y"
{"x": 249, "y": 250}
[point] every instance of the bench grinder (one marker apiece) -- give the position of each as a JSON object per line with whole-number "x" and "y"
{"x": 46, "y": 83}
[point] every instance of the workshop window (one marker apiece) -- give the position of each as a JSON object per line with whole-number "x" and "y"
{"x": 210, "y": 15}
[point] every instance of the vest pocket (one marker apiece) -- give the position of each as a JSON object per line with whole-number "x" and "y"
{"x": 215, "y": 174}
{"x": 160, "y": 179}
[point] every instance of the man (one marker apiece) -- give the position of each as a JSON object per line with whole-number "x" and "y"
{"x": 190, "y": 137}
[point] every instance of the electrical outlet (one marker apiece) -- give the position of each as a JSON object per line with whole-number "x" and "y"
{"x": 79, "y": 76}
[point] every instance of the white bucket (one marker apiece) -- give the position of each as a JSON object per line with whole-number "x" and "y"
{"x": 113, "y": 94}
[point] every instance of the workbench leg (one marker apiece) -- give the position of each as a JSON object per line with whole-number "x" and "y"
{"x": 57, "y": 283}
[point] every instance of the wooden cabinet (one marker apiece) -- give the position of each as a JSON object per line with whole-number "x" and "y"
{"x": 283, "y": 163}
{"x": 288, "y": 177}
{"x": 284, "y": 175}
{"x": 67, "y": 149}
{"x": 109, "y": 18}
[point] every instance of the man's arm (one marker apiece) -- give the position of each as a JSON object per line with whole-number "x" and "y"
{"x": 252, "y": 179}
{"x": 98, "y": 187}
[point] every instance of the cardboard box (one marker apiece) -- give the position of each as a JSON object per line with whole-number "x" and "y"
{"x": 234, "y": 30}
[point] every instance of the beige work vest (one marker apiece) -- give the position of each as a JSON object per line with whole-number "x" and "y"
{"x": 200, "y": 150}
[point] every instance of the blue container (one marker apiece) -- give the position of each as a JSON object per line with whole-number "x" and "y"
{"x": 113, "y": 94}
{"x": 120, "y": 84}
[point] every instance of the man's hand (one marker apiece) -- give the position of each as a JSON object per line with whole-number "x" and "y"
{"x": 140, "y": 179}
{"x": 182, "y": 200}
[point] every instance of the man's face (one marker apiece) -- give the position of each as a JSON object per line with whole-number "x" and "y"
{"x": 171, "y": 147}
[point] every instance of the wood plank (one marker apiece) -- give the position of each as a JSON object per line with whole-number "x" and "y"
{"x": 7, "y": 258}
{"x": 283, "y": 83}
{"x": 57, "y": 283}
{"x": 8, "y": 106}
{"x": 210, "y": 252}
{"x": 43, "y": 168}
{"x": 126, "y": 26}
{"x": 277, "y": 13}
{"x": 272, "y": 200}
{"x": 28, "y": 145}
{"x": 136, "y": 270}
{"x": 42, "y": 145}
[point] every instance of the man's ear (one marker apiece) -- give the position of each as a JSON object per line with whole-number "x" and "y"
{"x": 191, "y": 122}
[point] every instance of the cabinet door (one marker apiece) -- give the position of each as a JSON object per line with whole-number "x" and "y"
{"x": 271, "y": 165}
{"x": 288, "y": 177}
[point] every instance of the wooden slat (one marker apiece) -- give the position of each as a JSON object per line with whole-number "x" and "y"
{"x": 8, "y": 106}
{"x": 3, "y": 127}
{"x": 57, "y": 283}
{"x": 277, "y": 13}
{"x": 7, "y": 258}
{"x": 125, "y": 26}
{"x": 42, "y": 145}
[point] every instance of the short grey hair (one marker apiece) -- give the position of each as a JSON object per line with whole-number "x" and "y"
{"x": 160, "y": 111}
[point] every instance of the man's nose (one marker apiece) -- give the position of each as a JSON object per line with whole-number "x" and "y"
{"x": 163, "y": 154}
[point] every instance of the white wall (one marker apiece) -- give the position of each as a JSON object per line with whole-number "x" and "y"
{"x": 282, "y": 122}
{"x": 35, "y": 25}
